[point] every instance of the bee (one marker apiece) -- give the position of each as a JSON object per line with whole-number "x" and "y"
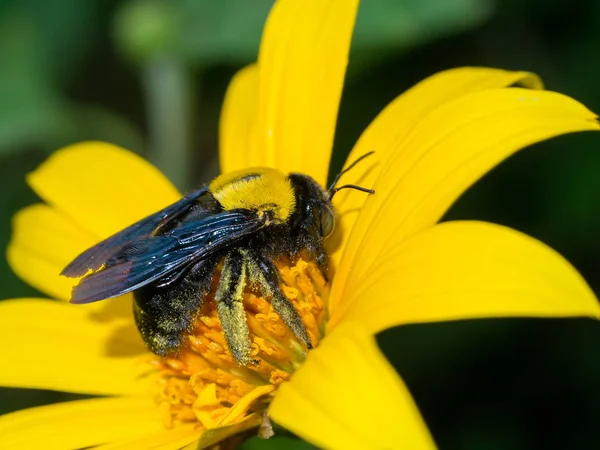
{"x": 241, "y": 222}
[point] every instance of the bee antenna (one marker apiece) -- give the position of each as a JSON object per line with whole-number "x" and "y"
{"x": 349, "y": 186}
{"x": 339, "y": 175}
{"x": 332, "y": 189}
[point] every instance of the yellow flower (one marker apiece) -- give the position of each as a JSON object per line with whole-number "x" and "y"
{"x": 392, "y": 263}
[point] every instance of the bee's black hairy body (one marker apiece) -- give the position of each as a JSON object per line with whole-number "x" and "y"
{"x": 240, "y": 223}
{"x": 307, "y": 222}
{"x": 166, "y": 310}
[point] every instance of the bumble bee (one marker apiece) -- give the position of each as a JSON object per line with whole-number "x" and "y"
{"x": 242, "y": 222}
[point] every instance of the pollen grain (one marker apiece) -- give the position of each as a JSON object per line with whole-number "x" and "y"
{"x": 204, "y": 384}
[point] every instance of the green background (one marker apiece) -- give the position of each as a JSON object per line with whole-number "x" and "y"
{"x": 134, "y": 73}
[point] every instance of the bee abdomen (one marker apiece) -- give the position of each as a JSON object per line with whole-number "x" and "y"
{"x": 164, "y": 314}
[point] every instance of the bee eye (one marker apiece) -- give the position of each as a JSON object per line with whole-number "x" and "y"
{"x": 327, "y": 221}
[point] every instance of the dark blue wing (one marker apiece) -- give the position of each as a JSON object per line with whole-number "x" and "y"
{"x": 146, "y": 260}
{"x": 95, "y": 257}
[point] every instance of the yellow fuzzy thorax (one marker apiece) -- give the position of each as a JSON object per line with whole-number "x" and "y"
{"x": 258, "y": 189}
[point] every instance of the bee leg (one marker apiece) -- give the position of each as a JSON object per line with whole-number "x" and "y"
{"x": 230, "y": 307}
{"x": 322, "y": 260}
{"x": 266, "y": 274}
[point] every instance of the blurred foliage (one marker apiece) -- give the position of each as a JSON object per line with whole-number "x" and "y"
{"x": 74, "y": 70}
{"x": 41, "y": 44}
{"x": 206, "y": 32}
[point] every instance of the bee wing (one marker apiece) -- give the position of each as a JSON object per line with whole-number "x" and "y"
{"x": 95, "y": 257}
{"x": 146, "y": 260}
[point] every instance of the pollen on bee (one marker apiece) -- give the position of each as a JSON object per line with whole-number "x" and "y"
{"x": 204, "y": 384}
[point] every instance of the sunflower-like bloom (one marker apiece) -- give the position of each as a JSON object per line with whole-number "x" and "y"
{"x": 392, "y": 263}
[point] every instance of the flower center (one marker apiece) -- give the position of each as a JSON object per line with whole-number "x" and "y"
{"x": 204, "y": 384}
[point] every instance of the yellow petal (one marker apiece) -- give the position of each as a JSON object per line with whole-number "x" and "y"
{"x": 302, "y": 59}
{"x": 238, "y": 146}
{"x": 173, "y": 439}
{"x": 215, "y": 435}
{"x": 43, "y": 242}
{"x": 80, "y": 424}
{"x": 184, "y": 437}
{"x": 398, "y": 118}
{"x": 101, "y": 187}
{"x": 444, "y": 154}
{"x": 466, "y": 270}
{"x": 240, "y": 409}
{"x": 347, "y": 396}
{"x": 55, "y": 345}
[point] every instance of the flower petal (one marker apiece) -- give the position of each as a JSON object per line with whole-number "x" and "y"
{"x": 101, "y": 187}
{"x": 38, "y": 254}
{"x": 466, "y": 270}
{"x": 185, "y": 437}
{"x": 167, "y": 439}
{"x": 80, "y": 424}
{"x": 70, "y": 348}
{"x": 302, "y": 59}
{"x": 238, "y": 144}
{"x": 399, "y": 117}
{"x": 215, "y": 435}
{"x": 441, "y": 157}
{"x": 347, "y": 396}
{"x": 43, "y": 242}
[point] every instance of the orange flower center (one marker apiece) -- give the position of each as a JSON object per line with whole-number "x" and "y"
{"x": 204, "y": 384}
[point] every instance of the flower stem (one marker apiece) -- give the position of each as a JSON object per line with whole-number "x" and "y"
{"x": 169, "y": 91}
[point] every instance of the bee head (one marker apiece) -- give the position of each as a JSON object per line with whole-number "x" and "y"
{"x": 314, "y": 211}
{"x": 317, "y": 202}
{"x": 326, "y": 219}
